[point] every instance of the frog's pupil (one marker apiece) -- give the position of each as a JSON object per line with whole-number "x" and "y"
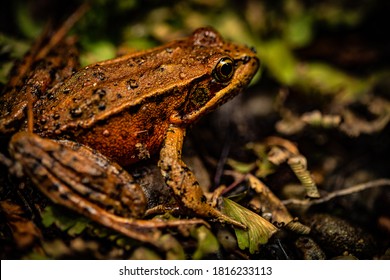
{"x": 226, "y": 69}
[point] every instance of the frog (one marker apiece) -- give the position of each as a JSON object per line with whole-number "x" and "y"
{"x": 119, "y": 112}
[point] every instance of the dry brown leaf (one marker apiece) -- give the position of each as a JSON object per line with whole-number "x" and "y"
{"x": 24, "y": 231}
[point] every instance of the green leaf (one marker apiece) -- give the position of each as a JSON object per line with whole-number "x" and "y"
{"x": 299, "y": 31}
{"x": 64, "y": 220}
{"x": 48, "y": 216}
{"x": 173, "y": 248}
{"x": 258, "y": 232}
{"x": 78, "y": 227}
{"x": 280, "y": 61}
{"x": 97, "y": 51}
{"x": 143, "y": 253}
{"x": 242, "y": 167}
{"x": 207, "y": 242}
{"x": 28, "y": 26}
{"x": 328, "y": 80}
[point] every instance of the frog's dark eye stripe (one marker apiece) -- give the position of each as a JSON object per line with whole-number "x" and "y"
{"x": 224, "y": 69}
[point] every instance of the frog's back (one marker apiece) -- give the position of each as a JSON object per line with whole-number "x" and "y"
{"x": 104, "y": 90}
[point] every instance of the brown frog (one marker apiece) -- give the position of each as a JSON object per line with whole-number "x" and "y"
{"x": 125, "y": 110}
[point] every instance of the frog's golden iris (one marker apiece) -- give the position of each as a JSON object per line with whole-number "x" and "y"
{"x": 224, "y": 69}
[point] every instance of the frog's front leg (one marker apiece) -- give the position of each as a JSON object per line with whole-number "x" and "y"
{"x": 182, "y": 181}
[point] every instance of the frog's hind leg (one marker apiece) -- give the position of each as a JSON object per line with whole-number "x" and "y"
{"x": 88, "y": 183}
{"x": 50, "y": 60}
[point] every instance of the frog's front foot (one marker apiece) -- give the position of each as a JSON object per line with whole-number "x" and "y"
{"x": 183, "y": 182}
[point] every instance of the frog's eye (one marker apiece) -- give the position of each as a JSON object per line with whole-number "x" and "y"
{"x": 224, "y": 69}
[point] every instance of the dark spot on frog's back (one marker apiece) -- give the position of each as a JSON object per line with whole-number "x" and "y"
{"x": 43, "y": 120}
{"x": 131, "y": 84}
{"x": 100, "y": 91}
{"x": 36, "y": 90}
{"x": 75, "y": 112}
{"x": 56, "y": 125}
{"x": 99, "y": 75}
{"x": 53, "y": 73}
{"x": 139, "y": 60}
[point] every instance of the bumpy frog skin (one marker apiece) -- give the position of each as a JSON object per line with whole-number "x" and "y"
{"x": 127, "y": 109}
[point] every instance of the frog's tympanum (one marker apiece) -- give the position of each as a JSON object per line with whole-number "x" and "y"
{"x": 123, "y": 110}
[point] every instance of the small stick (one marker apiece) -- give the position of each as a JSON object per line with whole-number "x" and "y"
{"x": 343, "y": 192}
{"x": 62, "y": 31}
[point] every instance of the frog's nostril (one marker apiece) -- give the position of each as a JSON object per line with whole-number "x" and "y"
{"x": 253, "y": 49}
{"x": 245, "y": 59}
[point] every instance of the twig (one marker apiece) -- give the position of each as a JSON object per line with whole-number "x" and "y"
{"x": 238, "y": 178}
{"x": 223, "y": 158}
{"x": 343, "y": 192}
{"x": 62, "y": 31}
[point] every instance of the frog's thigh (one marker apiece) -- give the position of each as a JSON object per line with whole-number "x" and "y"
{"x": 182, "y": 181}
